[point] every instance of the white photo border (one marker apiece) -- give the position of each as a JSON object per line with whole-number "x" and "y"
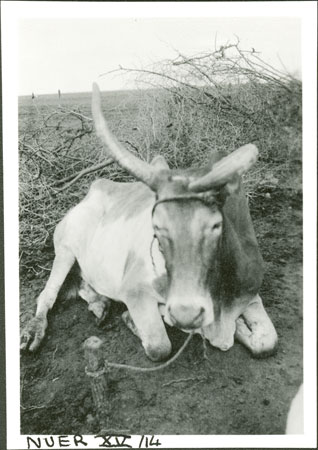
{"x": 12, "y": 12}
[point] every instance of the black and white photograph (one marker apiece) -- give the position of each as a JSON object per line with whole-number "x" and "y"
{"x": 159, "y": 180}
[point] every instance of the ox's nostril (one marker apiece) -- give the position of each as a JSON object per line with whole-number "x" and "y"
{"x": 173, "y": 319}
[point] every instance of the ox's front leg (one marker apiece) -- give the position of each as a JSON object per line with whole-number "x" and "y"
{"x": 34, "y": 332}
{"x": 221, "y": 332}
{"x": 255, "y": 329}
{"x": 142, "y": 304}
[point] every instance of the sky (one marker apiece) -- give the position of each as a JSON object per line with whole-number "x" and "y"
{"x": 69, "y": 53}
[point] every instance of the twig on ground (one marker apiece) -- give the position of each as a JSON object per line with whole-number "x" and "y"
{"x": 37, "y": 153}
{"x": 133, "y": 146}
{"x": 31, "y": 408}
{"x": 205, "y": 351}
{"x": 185, "y": 380}
{"x": 53, "y": 356}
{"x": 75, "y": 113}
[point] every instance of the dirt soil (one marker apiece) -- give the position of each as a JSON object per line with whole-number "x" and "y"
{"x": 228, "y": 393}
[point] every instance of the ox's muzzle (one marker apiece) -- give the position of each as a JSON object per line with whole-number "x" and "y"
{"x": 189, "y": 315}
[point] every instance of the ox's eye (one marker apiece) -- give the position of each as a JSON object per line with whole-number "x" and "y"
{"x": 160, "y": 246}
{"x": 158, "y": 229}
{"x": 164, "y": 242}
{"x": 217, "y": 226}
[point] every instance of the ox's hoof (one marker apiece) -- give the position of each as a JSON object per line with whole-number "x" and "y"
{"x": 100, "y": 308}
{"x": 220, "y": 334}
{"x": 262, "y": 354}
{"x": 104, "y": 313}
{"x": 158, "y": 353}
{"x": 267, "y": 348}
{"x": 156, "y": 347}
{"x": 33, "y": 334}
{"x": 262, "y": 342}
{"x": 223, "y": 346}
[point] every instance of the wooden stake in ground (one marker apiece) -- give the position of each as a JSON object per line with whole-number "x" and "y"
{"x": 95, "y": 369}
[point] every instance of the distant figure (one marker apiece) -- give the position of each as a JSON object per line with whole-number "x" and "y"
{"x": 59, "y": 94}
{"x": 33, "y": 96}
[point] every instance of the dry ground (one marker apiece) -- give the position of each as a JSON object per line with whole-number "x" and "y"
{"x": 231, "y": 393}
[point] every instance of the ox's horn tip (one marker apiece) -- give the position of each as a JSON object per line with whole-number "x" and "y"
{"x": 248, "y": 155}
{"x": 252, "y": 149}
{"x": 96, "y": 103}
{"x": 236, "y": 163}
{"x": 96, "y": 90}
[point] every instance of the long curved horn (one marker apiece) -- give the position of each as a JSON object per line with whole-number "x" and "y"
{"x": 237, "y": 163}
{"x": 135, "y": 166}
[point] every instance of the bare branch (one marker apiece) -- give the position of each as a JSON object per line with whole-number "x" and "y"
{"x": 80, "y": 174}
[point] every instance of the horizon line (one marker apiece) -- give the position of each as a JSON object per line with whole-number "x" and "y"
{"x": 79, "y": 92}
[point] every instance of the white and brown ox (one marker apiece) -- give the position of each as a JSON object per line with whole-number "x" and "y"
{"x": 179, "y": 244}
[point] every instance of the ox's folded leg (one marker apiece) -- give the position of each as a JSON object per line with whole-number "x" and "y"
{"x": 147, "y": 323}
{"x": 98, "y": 304}
{"x": 130, "y": 323}
{"x": 255, "y": 329}
{"x": 34, "y": 332}
{"x": 220, "y": 333}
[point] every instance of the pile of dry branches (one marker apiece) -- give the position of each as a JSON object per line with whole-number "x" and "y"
{"x": 56, "y": 150}
{"x": 216, "y": 99}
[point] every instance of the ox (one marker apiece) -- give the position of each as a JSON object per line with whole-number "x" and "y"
{"x": 178, "y": 244}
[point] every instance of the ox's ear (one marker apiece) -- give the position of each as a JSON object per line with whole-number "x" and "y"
{"x": 231, "y": 187}
{"x": 160, "y": 163}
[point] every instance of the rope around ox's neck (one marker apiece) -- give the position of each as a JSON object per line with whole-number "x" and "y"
{"x": 108, "y": 365}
